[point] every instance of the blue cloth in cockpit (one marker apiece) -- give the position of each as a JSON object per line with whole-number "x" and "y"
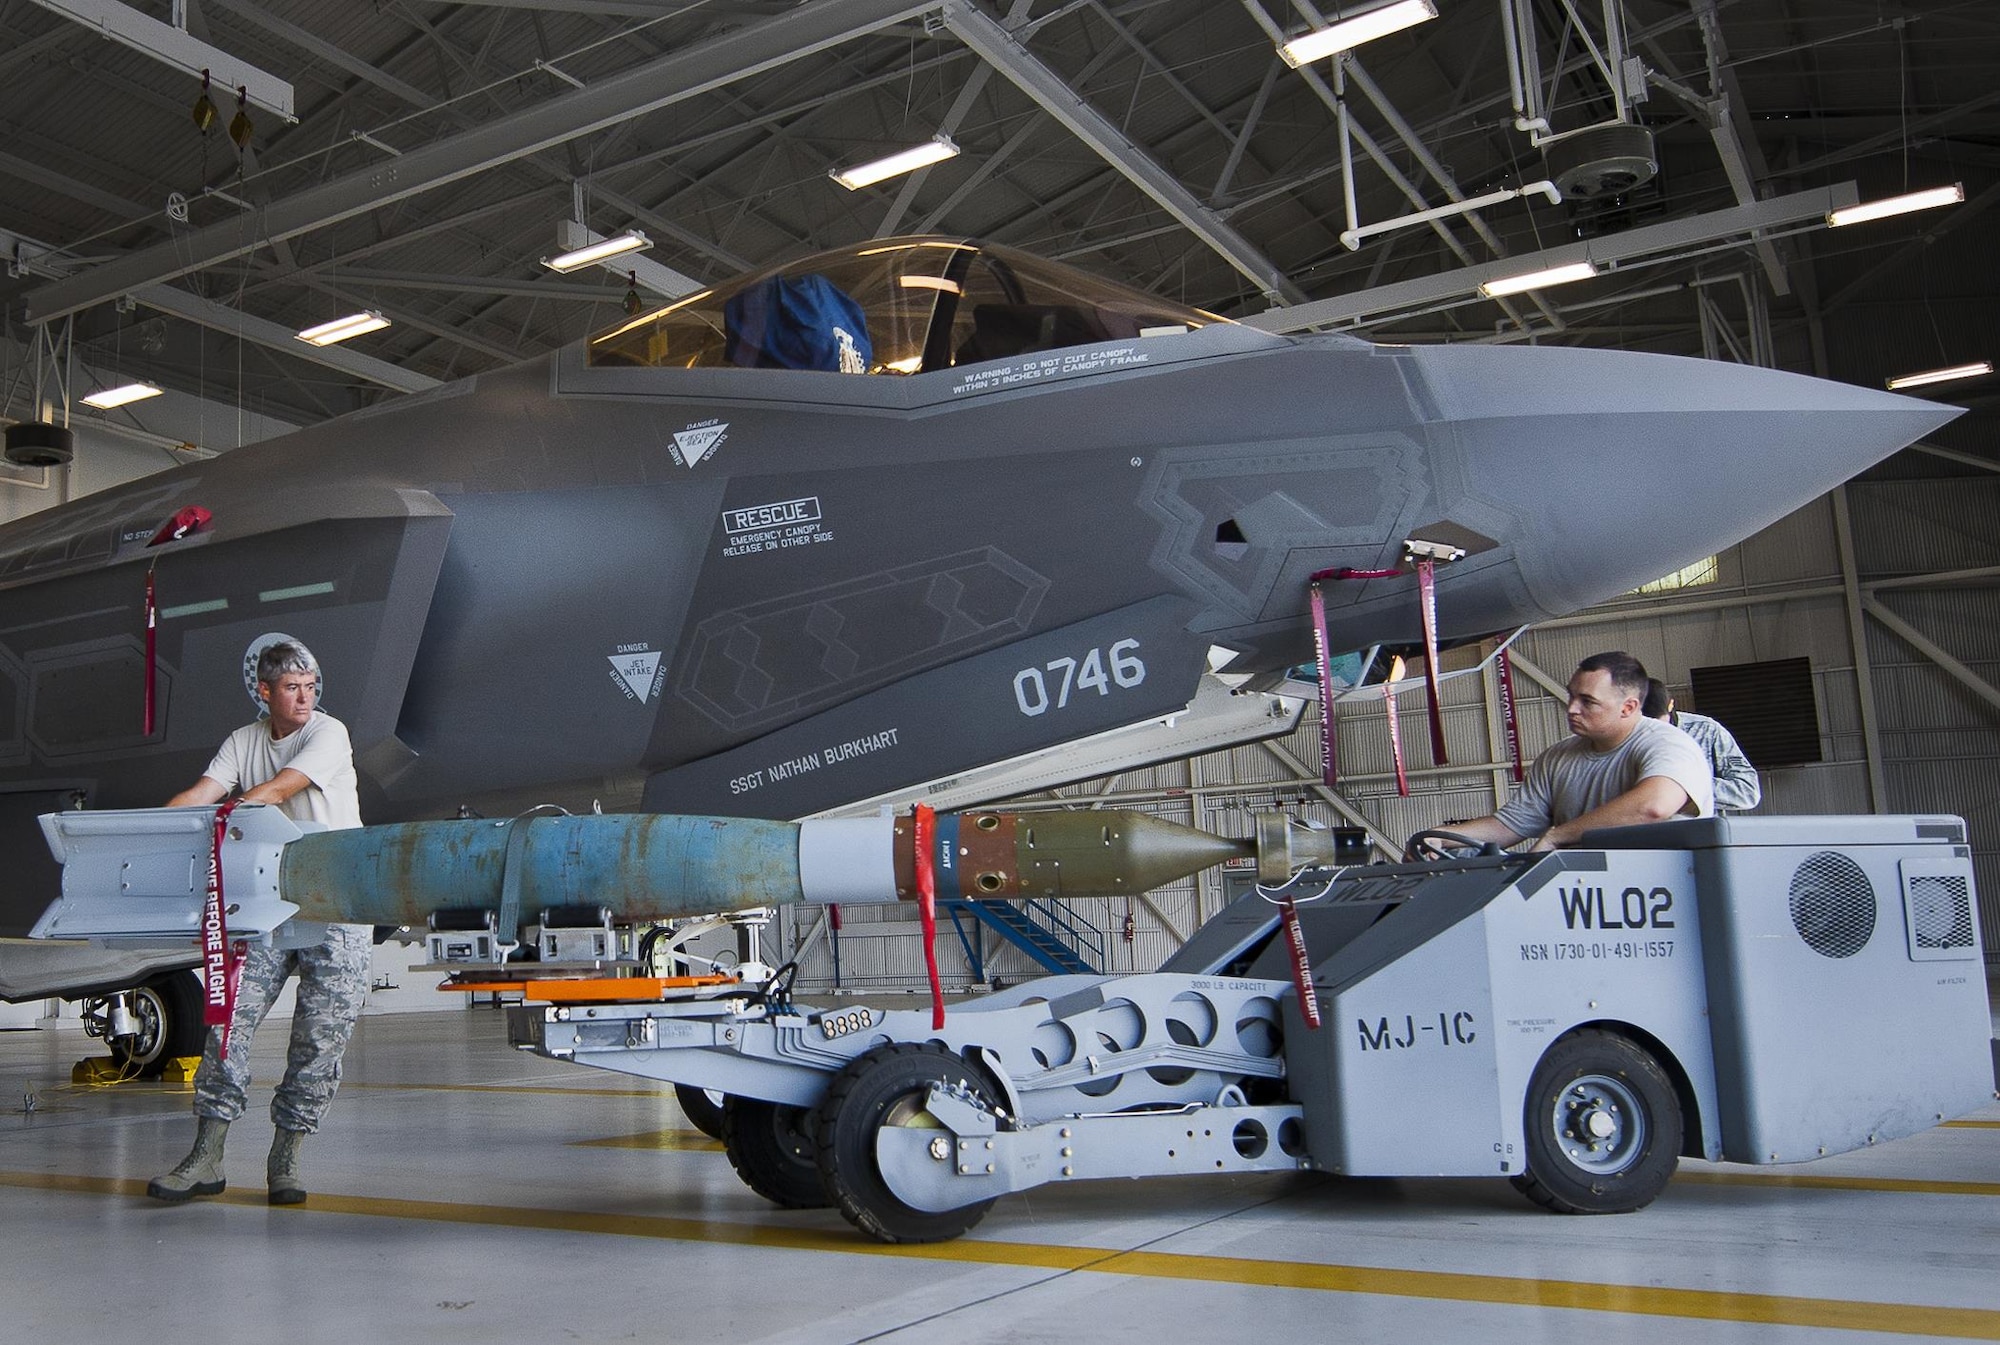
{"x": 796, "y": 322}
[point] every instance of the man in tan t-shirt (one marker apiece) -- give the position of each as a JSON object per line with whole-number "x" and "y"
{"x": 298, "y": 759}
{"x": 1616, "y": 769}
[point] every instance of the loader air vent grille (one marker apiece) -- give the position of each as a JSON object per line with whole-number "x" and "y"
{"x": 1833, "y": 905}
{"x": 1940, "y": 913}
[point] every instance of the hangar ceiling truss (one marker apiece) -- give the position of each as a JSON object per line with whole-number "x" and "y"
{"x": 1160, "y": 142}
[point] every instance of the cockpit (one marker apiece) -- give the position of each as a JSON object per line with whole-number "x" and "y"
{"x": 891, "y": 306}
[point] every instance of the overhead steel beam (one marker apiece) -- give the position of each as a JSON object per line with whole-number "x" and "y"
{"x": 12, "y": 165}
{"x": 998, "y": 48}
{"x": 235, "y": 322}
{"x": 1907, "y": 130}
{"x": 961, "y": 107}
{"x": 180, "y": 49}
{"x": 683, "y": 74}
{"x": 1631, "y": 246}
{"x": 659, "y": 223}
{"x": 1742, "y": 157}
{"x": 635, "y": 9}
{"x": 1241, "y": 140}
{"x": 33, "y": 258}
{"x": 323, "y": 50}
{"x": 587, "y": 292}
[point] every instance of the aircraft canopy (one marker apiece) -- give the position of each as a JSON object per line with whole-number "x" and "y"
{"x": 891, "y": 306}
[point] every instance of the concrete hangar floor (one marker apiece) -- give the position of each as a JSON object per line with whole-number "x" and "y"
{"x": 462, "y": 1191}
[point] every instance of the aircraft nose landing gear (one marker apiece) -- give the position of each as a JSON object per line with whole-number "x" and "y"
{"x": 148, "y": 1025}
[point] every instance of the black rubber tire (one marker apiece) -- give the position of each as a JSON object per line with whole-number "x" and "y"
{"x": 768, "y": 1146}
{"x": 887, "y": 1086}
{"x": 1603, "y": 1125}
{"x": 703, "y": 1108}
{"x": 168, "y": 1010}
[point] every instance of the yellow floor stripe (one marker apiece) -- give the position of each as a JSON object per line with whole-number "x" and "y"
{"x": 1697, "y": 1304}
{"x": 1972, "y": 1125}
{"x": 690, "y": 1141}
{"x": 1906, "y": 1185}
{"x": 662, "y": 1091}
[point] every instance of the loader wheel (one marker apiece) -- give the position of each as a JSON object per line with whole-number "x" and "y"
{"x": 767, "y": 1145}
{"x": 703, "y": 1107}
{"x": 889, "y": 1086}
{"x": 1603, "y": 1127}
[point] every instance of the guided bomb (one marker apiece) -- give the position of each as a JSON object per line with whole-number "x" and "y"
{"x": 136, "y": 874}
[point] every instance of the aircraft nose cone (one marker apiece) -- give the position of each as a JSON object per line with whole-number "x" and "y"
{"x": 1623, "y": 467}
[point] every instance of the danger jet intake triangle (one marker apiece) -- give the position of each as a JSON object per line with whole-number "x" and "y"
{"x": 637, "y": 670}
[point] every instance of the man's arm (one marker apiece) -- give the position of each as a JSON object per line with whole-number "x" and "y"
{"x": 204, "y": 790}
{"x": 1654, "y": 799}
{"x": 1488, "y": 828}
{"x": 1736, "y": 782}
{"x": 279, "y": 787}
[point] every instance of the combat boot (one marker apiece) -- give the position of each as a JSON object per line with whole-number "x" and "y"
{"x": 282, "y": 1168}
{"x": 200, "y": 1173}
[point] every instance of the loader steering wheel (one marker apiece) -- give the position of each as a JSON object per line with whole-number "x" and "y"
{"x": 1435, "y": 844}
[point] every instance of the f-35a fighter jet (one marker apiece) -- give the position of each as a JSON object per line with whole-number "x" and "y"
{"x": 854, "y": 523}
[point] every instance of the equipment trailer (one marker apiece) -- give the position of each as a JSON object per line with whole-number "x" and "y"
{"x": 1751, "y": 990}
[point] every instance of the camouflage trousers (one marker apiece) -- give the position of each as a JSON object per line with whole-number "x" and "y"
{"x": 333, "y": 978}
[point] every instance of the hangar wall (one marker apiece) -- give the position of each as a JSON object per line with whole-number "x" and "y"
{"x": 1924, "y": 552}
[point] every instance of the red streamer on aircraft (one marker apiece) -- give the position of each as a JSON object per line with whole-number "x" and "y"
{"x": 833, "y": 938}
{"x": 1302, "y": 981}
{"x": 923, "y": 828}
{"x": 1508, "y": 722}
{"x": 1328, "y": 742}
{"x": 152, "y": 651}
{"x": 1329, "y": 755}
{"x": 1396, "y": 738}
{"x": 191, "y": 519}
{"x": 218, "y": 969}
{"x": 1427, "y": 603}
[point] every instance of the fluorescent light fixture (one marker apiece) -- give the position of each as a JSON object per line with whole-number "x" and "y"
{"x": 106, "y": 398}
{"x": 1534, "y": 280}
{"x": 935, "y": 150}
{"x": 615, "y": 246}
{"x": 1896, "y": 205}
{"x": 1956, "y": 371}
{"x": 929, "y": 283}
{"x": 909, "y": 364}
{"x": 341, "y": 329}
{"x": 1344, "y": 34}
